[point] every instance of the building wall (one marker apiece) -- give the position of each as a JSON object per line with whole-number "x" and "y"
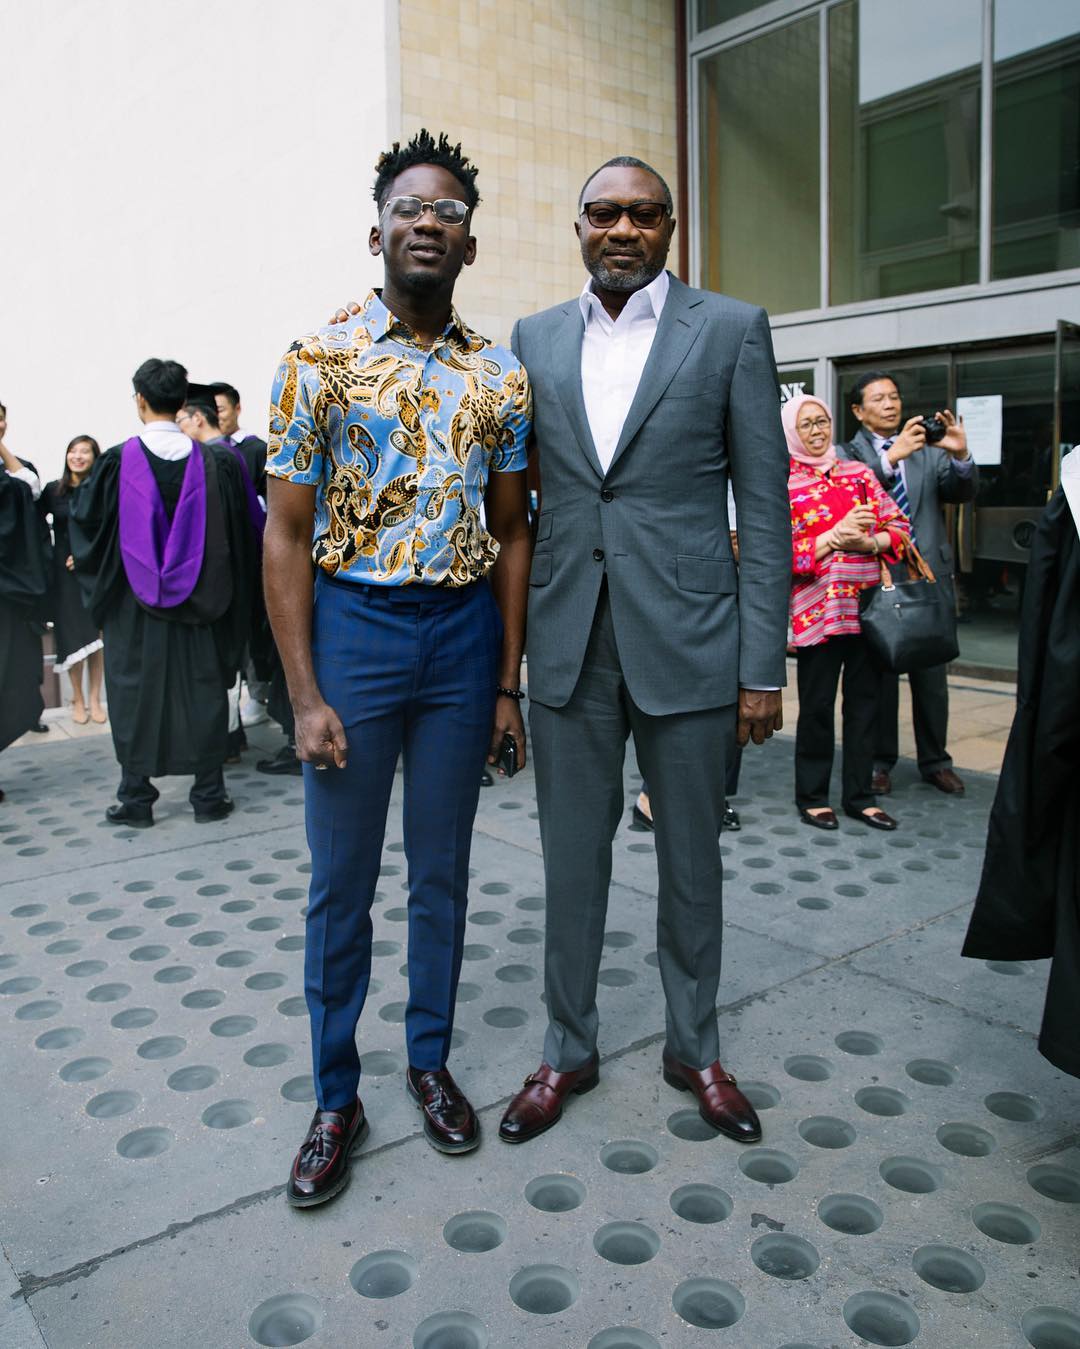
{"x": 539, "y": 92}
{"x": 189, "y": 180}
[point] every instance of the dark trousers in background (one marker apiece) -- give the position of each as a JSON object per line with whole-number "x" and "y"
{"x": 819, "y": 670}
{"x": 578, "y": 754}
{"x": 410, "y": 670}
{"x": 137, "y": 791}
{"x": 930, "y": 714}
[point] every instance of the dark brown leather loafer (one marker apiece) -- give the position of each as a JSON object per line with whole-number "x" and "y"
{"x": 450, "y": 1123}
{"x": 321, "y": 1167}
{"x": 720, "y": 1102}
{"x": 945, "y": 780}
{"x": 539, "y": 1104}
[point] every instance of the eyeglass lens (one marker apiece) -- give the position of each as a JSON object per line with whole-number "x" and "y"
{"x": 818, "y": 424}
{"x": 447, "y": 210}
{"x": 644, "y": 215}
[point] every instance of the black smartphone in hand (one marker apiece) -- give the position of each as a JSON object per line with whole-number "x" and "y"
{"x": 508, "y": 756}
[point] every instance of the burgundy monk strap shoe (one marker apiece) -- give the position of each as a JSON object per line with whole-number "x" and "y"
{"x": 539, "y": 1104}
{"x": 321, "y": 1167}
{"x": 720, "y": 1102}
{"x": 450, "y": 1123}
{"x": 945, "y": 780}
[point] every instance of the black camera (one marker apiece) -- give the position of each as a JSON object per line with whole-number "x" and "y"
{"x": 935, "y": 429}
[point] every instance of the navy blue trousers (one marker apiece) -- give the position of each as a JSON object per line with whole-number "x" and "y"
{"x": 410, "y": 671}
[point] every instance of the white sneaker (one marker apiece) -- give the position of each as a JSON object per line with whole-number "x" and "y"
{"x": 252, "y": 712}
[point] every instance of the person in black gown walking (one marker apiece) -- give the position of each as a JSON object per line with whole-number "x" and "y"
{"x": 78, "y": 641}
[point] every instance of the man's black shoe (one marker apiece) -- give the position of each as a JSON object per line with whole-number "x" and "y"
{"x": 218, "y": 811}
{"x": 132, "y": 816}
{"x": 450, "y": 1123}
{"x": 321, "y": 1167}
{"x": 486, "y": 780}
{"x": 730, "y": 820}
{"x": 283, "y": 764}
{"x": 40, "y": 728}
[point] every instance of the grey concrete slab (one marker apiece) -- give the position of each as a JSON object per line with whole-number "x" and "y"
{"x": 151, "y": 989}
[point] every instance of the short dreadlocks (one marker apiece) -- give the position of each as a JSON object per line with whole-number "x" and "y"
{"x": 424, "y": 149}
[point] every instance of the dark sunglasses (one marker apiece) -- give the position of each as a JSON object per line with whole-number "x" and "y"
{"x": 447, "y": 210}
{"x": 644, "y": 215}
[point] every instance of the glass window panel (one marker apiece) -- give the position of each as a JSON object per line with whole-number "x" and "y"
{"x": 1036, "y": 137}
{"x": 903, "y": 147}
{"x": 712, "y": 12}
{"x": 795, "y": 381}
{"x": 759, "y": 165}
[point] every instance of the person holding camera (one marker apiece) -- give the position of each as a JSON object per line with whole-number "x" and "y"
{"x": 923, "y": 463}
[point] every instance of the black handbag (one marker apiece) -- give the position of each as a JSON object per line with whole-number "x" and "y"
{"x": 910, "y": 624}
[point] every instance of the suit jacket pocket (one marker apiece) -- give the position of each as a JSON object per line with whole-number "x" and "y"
{"x": 540, "y": 574}
{"x": 706, "y": 575}
{"x": 543, "y": 526}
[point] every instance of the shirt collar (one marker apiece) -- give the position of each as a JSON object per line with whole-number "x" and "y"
{"x": 654, "y": 295}
{"x": 164, "y": 426}
{"x": 381, "y": 322}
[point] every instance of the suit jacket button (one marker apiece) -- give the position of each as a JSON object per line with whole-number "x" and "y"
{"x": 598, "y": 554}
{"x": 607, "y": 494}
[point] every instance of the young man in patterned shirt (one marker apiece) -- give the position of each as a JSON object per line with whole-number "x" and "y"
{"x": 387, "y": 435}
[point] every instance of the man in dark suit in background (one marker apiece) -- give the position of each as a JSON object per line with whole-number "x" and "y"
{"x": 649, "y": 396}
{"x": 921, "y": 477}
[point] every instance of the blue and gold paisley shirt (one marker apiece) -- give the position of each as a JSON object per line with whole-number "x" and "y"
{"x": 399, "y": 439}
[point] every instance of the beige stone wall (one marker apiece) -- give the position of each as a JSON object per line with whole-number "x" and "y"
{"x": 540, "y": 92}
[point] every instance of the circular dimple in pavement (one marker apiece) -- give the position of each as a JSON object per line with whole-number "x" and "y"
{"x": 451, "y": 1330}
{"x": 506, "y": 1018}
{"x": 966, "y": 1140}
{"x": 761, "y": 1095}
{"x": 134, "y": 1018}
{"x": 83, "y": 969}
{"x": 23, "y": 984}
{"x": 555, "y": 1193}
{"x": 384, "y": 1274}
{"x": 380, "y": 1063}
{"x": 931, "y": 1072}
{"x": 784, "y": 1256}
{"x": 195, "y": 1078}
{"x": 544, "y": 1290}
{"x": 475, "y": 1231}
{"x": 287, "y": 1319}
{"x": 60, "y": 1038}
{"x": 295, "y": 1006}
{"x": 1059, "y": 1183}
{"x": 629, "y": 1156}
{"x": 688, "y": 1125}
{"x": 710, "y": 1304}
{"x": 881, "y": 1318}
{"x": 885, "y": 1101}
{"x": 111, "y": 1103}
{"x": 228, "y": 1027}
{"x": 228, "y": 1114}
{"x": 701, "y": 1203}
{"x": 769, "y": 1166}
{"x": 267, "y": 979}
{"x": 162, "y": 1047}
{"x": 38, "y": 1011}
{"x": 85, "y": 1070}
{"x": 1051, "y": 1328}
{"x": 825, "y": 1131}
{"x": 108, "y": 992}
{"x": 142, "y": 1143}
{"x": 267, "y": 1056}
{"x": 1006, "y": 1223}
{"x": 515, "y": 974}
{"x": 1014, "y": 1106}
{"x": 299, "y": 1088}
{"x": 859, "y": 1042}
{"x": 808, "y": 1068}
{"x": 623, "y": 1337}
{"x": 911, "y": 1174}
{"x": 951, "y": 1270}
{"x": 852, "y": 1214}
{"x": 626, "y": 1243}
{"x": 203, "y": 998}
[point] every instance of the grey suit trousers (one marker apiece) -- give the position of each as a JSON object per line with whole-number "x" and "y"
{"x": 578, "y": 753}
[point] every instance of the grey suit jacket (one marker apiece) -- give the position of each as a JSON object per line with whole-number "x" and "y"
{"x": 690, "y": 625}
{"x": 932, "y": 481}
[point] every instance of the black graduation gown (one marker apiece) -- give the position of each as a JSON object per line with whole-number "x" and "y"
{"x": 24, "y": 583}
{"x": 73, "y": 628}
{"x": 167, "y": 672}
{"x": 1028, "y": 905}
{"x": 264, "y": 657}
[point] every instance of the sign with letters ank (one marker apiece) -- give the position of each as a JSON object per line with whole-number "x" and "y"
{"x": 982, "y": 422}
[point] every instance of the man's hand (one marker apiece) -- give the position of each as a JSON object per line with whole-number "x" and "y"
{"x": 954, "y": 441}
{"x": 342, "y": 315}
{"x": 910, "y": 440}
{"x": 320, "y": 737}
{"x": 508, "y": 721}
{"x": 761, "y": 711}
{"x": 70, "y": 563}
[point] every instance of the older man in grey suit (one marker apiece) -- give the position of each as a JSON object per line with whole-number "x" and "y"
{"x": 922, "y": 477}
{"x": 648, "y": 396}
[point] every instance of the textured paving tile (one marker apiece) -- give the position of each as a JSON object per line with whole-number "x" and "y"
{"x": 151, "y": 987}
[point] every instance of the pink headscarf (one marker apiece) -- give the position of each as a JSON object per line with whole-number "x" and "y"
{"x": 789, "y": 415}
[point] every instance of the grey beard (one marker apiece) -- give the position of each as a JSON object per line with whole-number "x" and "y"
{"x": 634, "y": 279}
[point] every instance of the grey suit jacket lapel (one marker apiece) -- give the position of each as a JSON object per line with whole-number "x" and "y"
{"x": 566, "y": 337}
{"x": 680, "y": 323}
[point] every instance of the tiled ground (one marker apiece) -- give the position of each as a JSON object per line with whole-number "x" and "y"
{"x": 919, "y": 1181}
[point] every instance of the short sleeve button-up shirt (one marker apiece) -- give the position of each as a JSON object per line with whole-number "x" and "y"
{"x": 399, "y": 439}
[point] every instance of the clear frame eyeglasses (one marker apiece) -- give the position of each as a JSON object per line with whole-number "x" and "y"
{"x": 446, "y": 210}
{"x": 818, "y": 424}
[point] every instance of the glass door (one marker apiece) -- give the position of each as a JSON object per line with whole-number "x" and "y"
{"x": 1066, "y": 393}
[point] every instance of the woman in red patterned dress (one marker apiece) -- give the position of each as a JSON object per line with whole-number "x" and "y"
{"x": 841, "y": 522}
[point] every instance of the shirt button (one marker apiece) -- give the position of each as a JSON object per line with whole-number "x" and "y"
{"x": 598, "y": 554}
{"x": 607, "y": 494}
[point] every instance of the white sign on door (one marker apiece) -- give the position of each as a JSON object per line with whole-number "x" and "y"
{"x": 982, "y": 422}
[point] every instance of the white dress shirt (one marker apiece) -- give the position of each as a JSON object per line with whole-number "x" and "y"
{"x": 613, "y": 356}
{"x": 166, "y": 440}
